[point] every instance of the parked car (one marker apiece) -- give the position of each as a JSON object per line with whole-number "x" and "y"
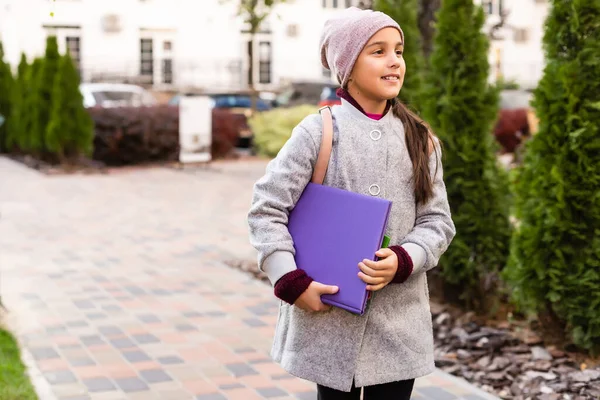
{"x": 115, "y": 95}
{"x": 297, "y": 93}
{"x": 329, "y": 97}
{"x": 235, "y": 102}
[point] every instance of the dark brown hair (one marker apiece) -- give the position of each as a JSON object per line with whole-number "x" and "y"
{"x": 420, "y": 144}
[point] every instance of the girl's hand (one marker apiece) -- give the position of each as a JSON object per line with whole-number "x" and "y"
{"x": 377, "y": 274}
{"x": 310, "y": 300}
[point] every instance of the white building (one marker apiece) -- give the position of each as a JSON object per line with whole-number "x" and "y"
{"x": 518, "y": 54}
{"x": 182, "y": 44}
{"x": 171, "y": 43}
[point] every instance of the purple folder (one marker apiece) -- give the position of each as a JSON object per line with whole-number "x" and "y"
{"x": 333, "y": 230}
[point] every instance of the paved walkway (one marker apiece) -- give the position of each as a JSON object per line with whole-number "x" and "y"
{"x": 117, "y": 289}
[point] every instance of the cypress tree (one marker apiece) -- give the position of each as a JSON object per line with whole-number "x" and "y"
{"x": 461, "y": 107}
{"x": 404, "y": 12}
{"x": 6, "y": 88}
{"x": 71, "y": 130}
{"x": 554, "y": 265}
{"x": 45, "y": 88}
{"x": 15, "y": 128}
{"x": 28, "y": 118}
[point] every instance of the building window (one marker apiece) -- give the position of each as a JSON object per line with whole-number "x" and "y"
{"x": 348, "y": 3}
{"x": 146, "y": 60}
{"x": 73, "y": 44}
{"x": 292, "y": 30}
{"x": 488, "y": 6}
{"x": 520, "y": 35}
{"x": 264, "y": 67}
{"x": 335, "y": 3}
{"x": 167, "y": 71}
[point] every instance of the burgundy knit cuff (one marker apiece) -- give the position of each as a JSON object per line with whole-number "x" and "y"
{"x": 405, "y": 264}
{"x": 290, "y": 286}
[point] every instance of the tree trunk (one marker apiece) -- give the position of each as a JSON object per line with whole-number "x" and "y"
{"x": 426, "y": 20}
{"x": 251, "y": 87}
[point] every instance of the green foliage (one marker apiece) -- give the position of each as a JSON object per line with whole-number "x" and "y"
{"x": 255, "y": 12}
{"x": 71, "y": 130}
{"x": 555, "y": 255}
{"x": 14, "y": 382}
{"x": 6, "y": 88}
{"x": 26, "y": 135}
{"x": 273, "y": 128}
{"x": 43, "y": 97}
{"x": 404, "y": 12}
{"x": 461, "y": 107}
{"x": 504, "y": 84}
{"x": 17, "y": 112}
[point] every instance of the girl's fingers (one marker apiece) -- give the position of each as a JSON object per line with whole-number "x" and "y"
{"x": 369, "y": 271}
{"x": 369, "y": 279}
{"x": 377, "y": 265}
{"x": 374, "y": 288}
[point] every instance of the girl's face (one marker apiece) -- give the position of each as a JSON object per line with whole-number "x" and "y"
{"x": 378, "y": 73}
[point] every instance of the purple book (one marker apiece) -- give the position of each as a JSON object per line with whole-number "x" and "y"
{"x": 333, "y": 230}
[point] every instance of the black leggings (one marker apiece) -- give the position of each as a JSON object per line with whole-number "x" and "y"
{"x": 400, "y": 390}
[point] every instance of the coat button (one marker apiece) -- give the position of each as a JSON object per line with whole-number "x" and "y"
{"x": 375, "y": 134}
{"x": 374, "y": 190}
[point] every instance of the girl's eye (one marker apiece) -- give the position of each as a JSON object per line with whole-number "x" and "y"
{"x": 399, "y": 52}
{"x": 378, "y": 52}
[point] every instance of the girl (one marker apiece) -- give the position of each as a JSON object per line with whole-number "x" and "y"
{"x": 379, "y": 149}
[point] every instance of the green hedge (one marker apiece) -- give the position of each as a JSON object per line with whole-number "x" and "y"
{"x": 461, "y": 107}
{"x": 273, "y": 128}
{"x": 555, "y": 255}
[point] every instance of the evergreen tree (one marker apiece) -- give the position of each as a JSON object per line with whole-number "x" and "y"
{"x": 45, "y": 88}
{"x": 15, "y": 128}
{"x": 555, "y": 254}
{"x": 28, "y": 116}
{"x": 6, "y": 87}
{"x": 461, "y": 107}
{"x": 71, "y": 130}
{"x": 404, "y": 12}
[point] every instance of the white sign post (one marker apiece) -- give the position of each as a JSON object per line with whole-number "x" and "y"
{"x": 195, "y": 129}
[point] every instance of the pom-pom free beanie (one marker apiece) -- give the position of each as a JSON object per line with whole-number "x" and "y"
{"x": 346, "y": 34}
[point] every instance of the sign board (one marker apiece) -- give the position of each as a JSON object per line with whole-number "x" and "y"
{"x": 195, "y": 129}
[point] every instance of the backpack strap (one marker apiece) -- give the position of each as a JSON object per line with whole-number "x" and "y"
{"x": 326, "y": 145}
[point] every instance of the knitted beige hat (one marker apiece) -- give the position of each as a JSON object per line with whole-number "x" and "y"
{"x": 346, "y": 34}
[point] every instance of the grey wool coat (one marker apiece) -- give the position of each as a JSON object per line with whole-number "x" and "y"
{"x": 393, "y": 340}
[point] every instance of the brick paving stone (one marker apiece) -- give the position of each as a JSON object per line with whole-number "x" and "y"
{"x": 131, "y": 384}
{"x": 100, "y": 384}
{"x": 155, "y": 376}
{"x": 132, "y": 266}
{"x": 436, "y": 393}
{"x": 270, "y": 392}
{"x": 59, "y": 377}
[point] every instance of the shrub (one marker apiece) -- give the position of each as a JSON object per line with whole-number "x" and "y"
{"x": 43, "y": 96}
{"x": 461, "y": 107}
{"x": 71, "y": 130}
{"x": 134, "y": 135}
{"x": 273, "y": 128}
{"x": 15, "y": 131}
{"x": 554, "y": 264}
{"x": 6, "y": 89}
